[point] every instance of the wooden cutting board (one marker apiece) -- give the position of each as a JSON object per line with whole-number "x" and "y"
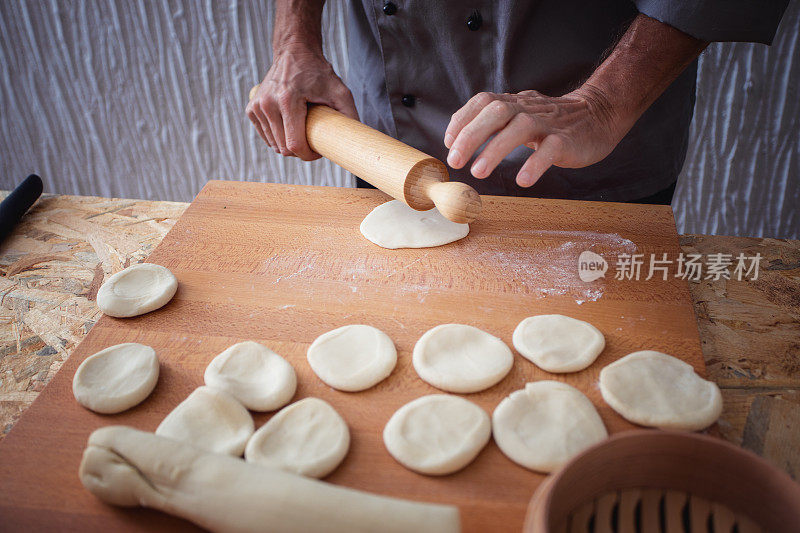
{"x": 283, "y": 264}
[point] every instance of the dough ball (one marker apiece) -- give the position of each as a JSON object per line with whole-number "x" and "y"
{"x": 117, "y": 378}
{"x": 655, "y": 389}
{"x": 544, "y": 425}
{"x": 459, "y": 358}
{"x": 437, "y": 434}
{"x": 308, "y": 438}
{"x": 352, "y": 358}
{"x": 558, "y": 343}
{"x": 253, "y": 374}
{"x": 210, "y": 419}
{"x": 395, "y": 225}
{"x": 137, "y": 290}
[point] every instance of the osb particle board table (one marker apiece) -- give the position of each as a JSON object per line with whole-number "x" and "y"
{"x": 59, "y": 255}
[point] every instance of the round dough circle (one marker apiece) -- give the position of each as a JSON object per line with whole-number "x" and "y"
{"x": 558, "y": 343}
{"x": 437, "y": 434}
{"x": 117, "y": 378}
{"x": 460, "y": 358}
{"x": 544, "y": 425}
{"x": 253, "y": 374}
{"x": 308, "y": 438}
{"x": 396, "y": 225}
{"x": 210, "y": 419}
{"x": 352, "y": 358}
{"x": 137, "y": 290}
{"x": 655, "y": 389}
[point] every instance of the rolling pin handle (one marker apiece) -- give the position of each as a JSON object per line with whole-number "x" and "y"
{"x": 455, "y": 200}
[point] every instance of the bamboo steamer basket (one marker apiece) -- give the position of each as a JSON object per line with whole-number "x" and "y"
{"x": 665, "y": 481}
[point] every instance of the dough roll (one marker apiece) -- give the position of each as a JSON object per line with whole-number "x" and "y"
{"x": 127, "y": 467}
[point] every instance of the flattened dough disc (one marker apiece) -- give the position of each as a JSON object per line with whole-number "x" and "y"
{"x": 307, "y": 437}
{"x": 544, "y": 425}
{"x": 352, "y": 358}
{"x": 210, "y": 419}
{"x": 558, "y": 343}
{"x": 461, "y": 358}
{"x": 117, "y": 378}
{"x": 437, "y": 434}
{"x": 655, "y": 389}
{"x": 395, "y": 225}
{"x": 253, "y": 374}
{"x": 137, "y": 290}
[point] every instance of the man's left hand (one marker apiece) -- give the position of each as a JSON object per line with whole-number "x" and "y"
{"x": 581, "y": 127}
{"x": 572, "y": 131}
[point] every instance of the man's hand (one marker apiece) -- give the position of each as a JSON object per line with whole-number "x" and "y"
{"x": 299, "y": 75}
{"x": 278, "y": 110}
{"x": 581, "y": 127}
{"x": 574, "y": 130}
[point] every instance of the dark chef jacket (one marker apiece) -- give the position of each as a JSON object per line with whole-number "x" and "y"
{"x": 413, "y": 63}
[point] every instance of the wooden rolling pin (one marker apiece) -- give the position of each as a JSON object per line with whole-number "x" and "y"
{"x": 403, "y": 172}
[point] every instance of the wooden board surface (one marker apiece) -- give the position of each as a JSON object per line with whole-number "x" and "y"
{"x": 283, "y": 264}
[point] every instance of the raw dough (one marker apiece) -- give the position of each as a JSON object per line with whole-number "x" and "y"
{"x": 437, "y": 434}
{"x": 395, "y": 225}
{"x": 137, "y": 290}
{"x": 459, "y": 358}
{"x": 658, "y": 390}
{"x": 126, "y": 467}
{"x": 544, "y": 425}
{"x": 308, "y": 438}
{"x": 558, "y": 343}
{"x": 116, "y": 378}
{"x": 253, "y": 374}
{"x": 352, "y": 358}
{"x": 210, "y": 419}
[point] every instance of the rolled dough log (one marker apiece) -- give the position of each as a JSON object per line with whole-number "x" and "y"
{"x": 138, "y": 289}
{"x": 558, "y": 343}
{"x": 352, "y": 358}
{"x": 655, "y": 389}
{"x": 253, "y": 374}
{"x": 308, "y": 438}
{"x": 210, "y": 419}
{"x": 126, "y": 467}
{"x": 460, "y": 358}
{"x": 437, "y": 434}
{"x": 544, "y": 425}
{"x": 396, "y": 225}
{"x": 117, "y": 378}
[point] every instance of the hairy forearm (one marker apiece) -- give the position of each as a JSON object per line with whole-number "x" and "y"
{"x": 298, "y": 23}
{"x": 643, "y": 64}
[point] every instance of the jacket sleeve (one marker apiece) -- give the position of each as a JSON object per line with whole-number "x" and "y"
{"x": 719, "y": 20}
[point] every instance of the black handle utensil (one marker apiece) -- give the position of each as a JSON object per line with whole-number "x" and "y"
{"x": 17, "y": 203}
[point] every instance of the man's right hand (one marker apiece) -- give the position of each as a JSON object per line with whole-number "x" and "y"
{"x": 298, "y": 76}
